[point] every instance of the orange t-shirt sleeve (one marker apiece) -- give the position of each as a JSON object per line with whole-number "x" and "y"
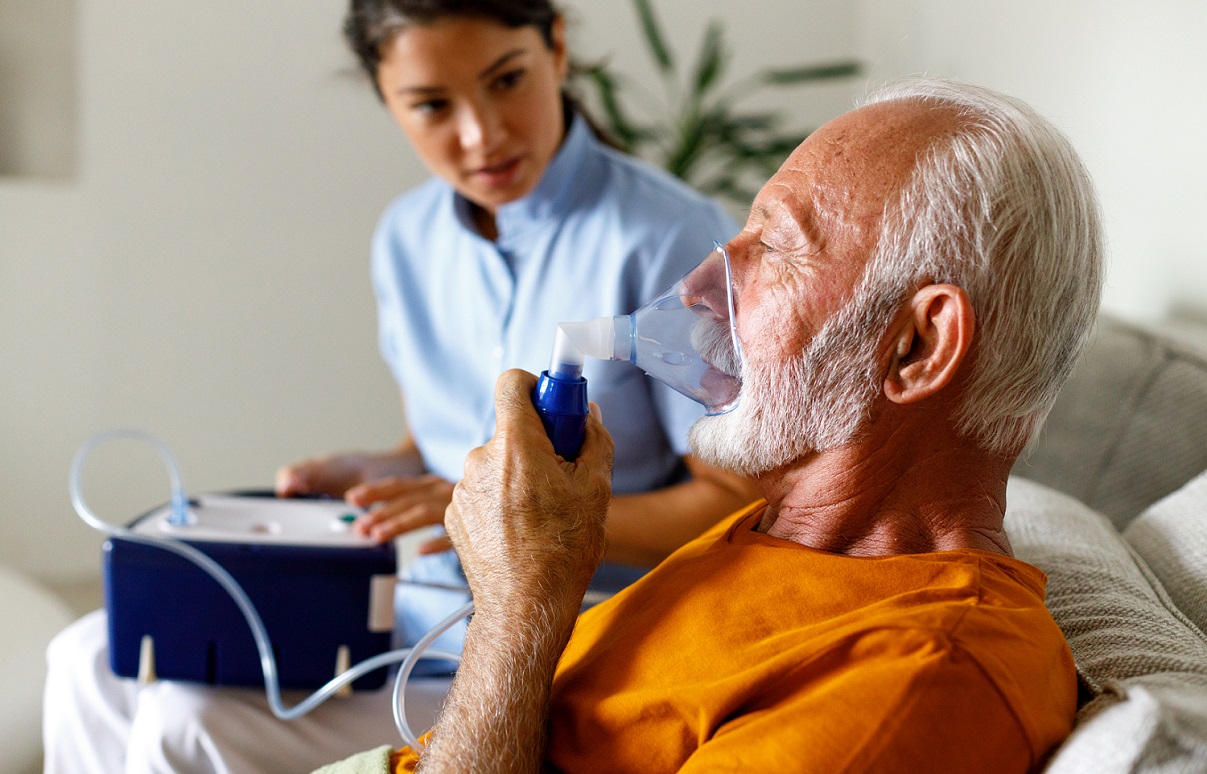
{"x": 404, "y": 759}
{"x": 909, "y": 703}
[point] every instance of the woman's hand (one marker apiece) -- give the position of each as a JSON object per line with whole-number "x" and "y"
{"x": 390, "y": 485}
{"x": 330, "y": 476}
{"x": 397, "y": 505}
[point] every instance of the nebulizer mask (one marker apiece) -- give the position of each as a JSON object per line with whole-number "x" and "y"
{"x": 686, "y": 338}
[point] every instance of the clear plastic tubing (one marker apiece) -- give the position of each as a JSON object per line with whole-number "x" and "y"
{"x": 268, "y": 662}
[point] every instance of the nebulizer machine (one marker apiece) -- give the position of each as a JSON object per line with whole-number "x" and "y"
{"x": 315, "y": 597}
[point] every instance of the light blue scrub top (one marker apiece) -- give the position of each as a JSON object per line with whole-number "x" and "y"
{"x": 601, "y": 234}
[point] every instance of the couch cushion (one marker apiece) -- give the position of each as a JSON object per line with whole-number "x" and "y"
{"x": 1142, "y": 665}
{"x": 1171, "y": 536}
{"x": 1118, "y": 624}
{"x": 1127, "y": 429}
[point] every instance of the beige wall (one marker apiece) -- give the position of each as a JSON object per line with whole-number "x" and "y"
{"x": 37, "y": 69}
{"x": 1123, "y": 79}
{"x": 203, "y": 275}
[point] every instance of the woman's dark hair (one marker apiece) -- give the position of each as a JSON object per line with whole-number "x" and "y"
{"x": 372, "y": 24}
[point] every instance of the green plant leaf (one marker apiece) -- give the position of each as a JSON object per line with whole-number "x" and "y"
{"x": 718, "y": 185}
{"x": 618, "y": 123}
{"x": 653, "y": 36}
{"x": 824, "y": 72}
{"x": 750, "y": 122}
{"x": 690, "y": 143}
{"x": 694, "y": 129}
{"x": 781, "y": 146}
{"x": 729, "y": 188}
{"x": 714, "y": 57}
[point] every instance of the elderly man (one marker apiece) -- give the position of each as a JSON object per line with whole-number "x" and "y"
{"x": 912, "y": 288}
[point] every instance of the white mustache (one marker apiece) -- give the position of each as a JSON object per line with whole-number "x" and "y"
{"x": 711, "y": 338}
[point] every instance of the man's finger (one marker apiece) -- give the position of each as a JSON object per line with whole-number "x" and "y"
{"x": 514, "y": 412}
{"x": 513, "y": 390}
{"x": 598, "y": 448}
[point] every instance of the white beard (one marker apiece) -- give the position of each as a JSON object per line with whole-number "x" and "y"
{"x": 816, "y": 401}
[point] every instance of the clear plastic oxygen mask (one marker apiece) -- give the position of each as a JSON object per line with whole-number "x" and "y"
{"x": 686, "y": 337}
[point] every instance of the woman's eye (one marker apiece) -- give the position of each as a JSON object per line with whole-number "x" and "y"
{"x": 430, "y": 106}
{"x": 509, "y": 79}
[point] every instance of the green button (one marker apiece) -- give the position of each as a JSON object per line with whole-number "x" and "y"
{"x": 348, "y": 518}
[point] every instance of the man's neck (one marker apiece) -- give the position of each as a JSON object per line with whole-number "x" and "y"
{"x": 891, "y": 495}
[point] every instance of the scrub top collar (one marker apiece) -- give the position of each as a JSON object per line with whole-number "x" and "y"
{"x": 553, "y": 195}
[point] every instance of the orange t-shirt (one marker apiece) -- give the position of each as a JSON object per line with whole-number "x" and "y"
{"x": 746, "y": 652}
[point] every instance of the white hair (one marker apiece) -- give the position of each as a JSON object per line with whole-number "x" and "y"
{"x": 1000, "y": 206}
{"x": 1003, "y": 208}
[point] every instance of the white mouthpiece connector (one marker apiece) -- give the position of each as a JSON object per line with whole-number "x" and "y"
{"x": 605, "y": 338}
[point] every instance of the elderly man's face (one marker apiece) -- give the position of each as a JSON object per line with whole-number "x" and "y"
{"x": 814, "y": 361}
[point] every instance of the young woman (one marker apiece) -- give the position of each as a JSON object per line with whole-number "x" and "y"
{"x": 529, "y": 220}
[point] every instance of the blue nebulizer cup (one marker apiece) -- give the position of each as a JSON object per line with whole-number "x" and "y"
{"x": 561, "y": 402}
{"x": 686, "y": 338}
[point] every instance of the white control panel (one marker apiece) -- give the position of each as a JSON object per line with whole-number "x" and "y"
{"x": 250, "y": 519}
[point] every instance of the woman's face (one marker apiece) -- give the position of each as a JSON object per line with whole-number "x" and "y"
{"x": 479, "y": 101}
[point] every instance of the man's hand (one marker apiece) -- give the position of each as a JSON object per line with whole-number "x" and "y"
{"x": 526, "y": 522}
{"x": 529, "y": 528}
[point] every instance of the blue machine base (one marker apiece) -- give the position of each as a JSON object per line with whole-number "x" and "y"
{"x": 312, "y": 601}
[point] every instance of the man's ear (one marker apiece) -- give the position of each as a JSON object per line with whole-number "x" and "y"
{"x": 930, "y": 344}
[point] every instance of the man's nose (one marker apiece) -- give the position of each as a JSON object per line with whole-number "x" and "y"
{"x": 709, "y": 282}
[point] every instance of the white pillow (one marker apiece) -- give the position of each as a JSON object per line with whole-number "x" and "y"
{"x": 1143, "y": 665}
{"x": 1171, "y": 536}
{"x": 1158, "y": 724}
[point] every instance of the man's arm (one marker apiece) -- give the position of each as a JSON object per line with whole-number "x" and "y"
{"x": 529, "y": 529}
